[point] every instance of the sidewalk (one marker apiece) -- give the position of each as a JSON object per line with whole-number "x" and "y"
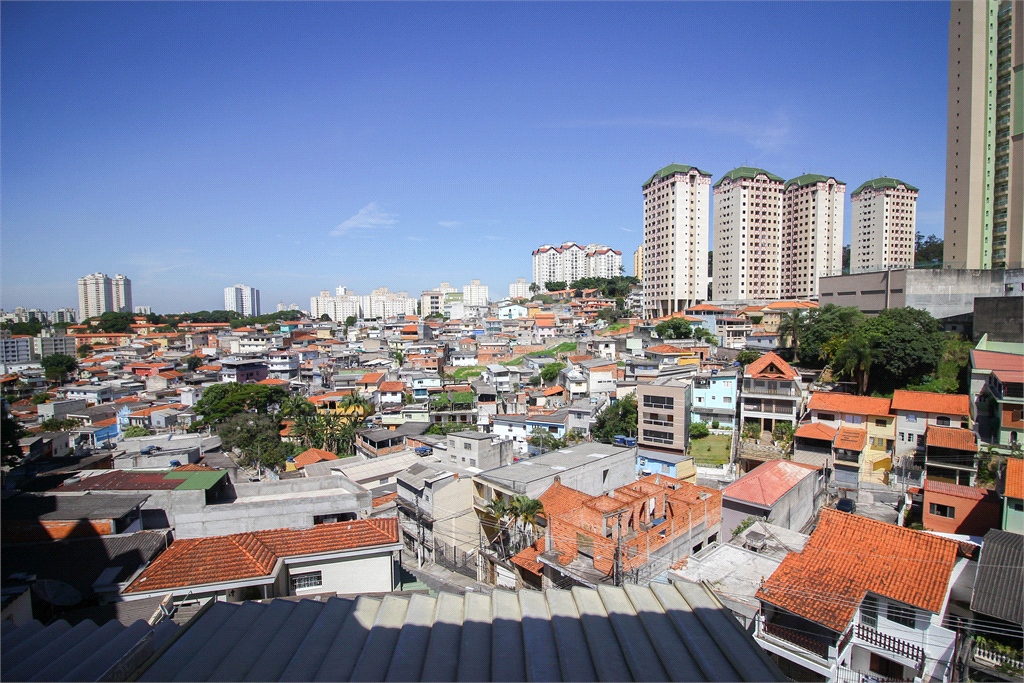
{"x": 440, "y": 579}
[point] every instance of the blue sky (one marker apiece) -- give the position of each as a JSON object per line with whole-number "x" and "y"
{"x": 297, "y": 147}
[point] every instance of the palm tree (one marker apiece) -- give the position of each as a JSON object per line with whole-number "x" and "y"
{"x": 856, "y": 357}
{"x": 524, "y": 511}
{"x": 400, "y": 357}
{"x": 792, "y": 325}
{"x": 499, "y": 509}
{"x": 356, "y": 406}
{"x": 296, "y": 406}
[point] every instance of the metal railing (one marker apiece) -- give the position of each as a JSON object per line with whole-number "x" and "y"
{"x": 817, "y": 646}
{"x": 890, "y": 643}
{"x": 787, "y": 391}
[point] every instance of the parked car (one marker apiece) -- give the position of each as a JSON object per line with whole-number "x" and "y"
{"x": 846, "y": 505}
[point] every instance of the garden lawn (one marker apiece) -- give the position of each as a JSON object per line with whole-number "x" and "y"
{"x": 711, "y": 451}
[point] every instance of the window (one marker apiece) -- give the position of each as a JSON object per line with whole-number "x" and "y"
{"x": 879, "y": 423}
{"x": 869, "y": 611}
{"x": 472, "y": 462}
{"x": 901, "y": 436}
{"x": 940, "y": 510}
{"x": 854, "y": 419}
{"x": 657, "y": 437}
{"x": 467, "y": 446}
{"x": 942, "y": 421}
{"x": 907, "y": 616}
{"x": 911, "y": 417}
{"x": 309, "y": 580}
{"x": 826, "y": 416}
{"x": 920, "y": 440}
{"x": 664, "y": 402}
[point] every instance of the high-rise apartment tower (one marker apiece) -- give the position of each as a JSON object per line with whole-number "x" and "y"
{"x": 748, "y": 204}
{"x": 985, "y": 136}
{"x": 884, "y": 225}
{"x": 675, "y": 249}
{"x": 98, "y": 294}
{"x": 242, "y": 299}
{"x": 812, "y": 234}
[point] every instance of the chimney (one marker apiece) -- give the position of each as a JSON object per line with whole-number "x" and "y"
{"x": 558, "y": 479}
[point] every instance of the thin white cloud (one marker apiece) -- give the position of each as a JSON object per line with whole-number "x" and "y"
{"x": 627, "y": 230}
{"x": 369, "y": 217}
{"x": 449, "y": 224}
{"x": 414, "y": 239}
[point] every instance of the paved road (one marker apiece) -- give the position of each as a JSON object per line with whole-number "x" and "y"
{"x": 440, "y": 579}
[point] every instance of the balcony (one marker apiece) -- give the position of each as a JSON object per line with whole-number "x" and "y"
{"x": 892, "y": 644}
{"x": 770, "y": 390}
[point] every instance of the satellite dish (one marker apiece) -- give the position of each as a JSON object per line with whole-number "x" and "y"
{"x": 56, "y": 592}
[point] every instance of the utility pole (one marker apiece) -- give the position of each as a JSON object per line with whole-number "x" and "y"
{"x": 617, "y": 570}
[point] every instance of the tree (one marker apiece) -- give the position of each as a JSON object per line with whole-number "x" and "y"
{"x": 549, "y": 373}
{"x": 256, "y": 437}
{"x": 438, "y": 429}
{"x": 704, "y": 335}
{"x": 856, "y": 357}
{"x": 928, "y": 250}
{"x": 617, "y": 419}
{"x": 534, "y": 380}
{"x": 751, "y": 430}
{"x": 58, "y": 366}
{"x": 674, "y": 328}
{"x": 399, "y": 358}
{"x": 534, "y": 288}
{"x": 296, "y": 406}
{"x": 747, "y": 357}
{"x": 699, "y": 430}
{"x": 555, "y": 286}
{"x": 84, "y": 350}
{"x": 524, "y": 511}
{"x": 823, "y": 325}
{"x": 58, "y": 425}
{"x": 11, "y": 432}
{"x": 325, "y": 318}
{"x": 792, "y": 326}
{"x": 350, "y": 321}
{"x": 136, "y": 431}
{"x": 910, "y": 344}
{"x": 846, "y": 258}
{"x": 41, "y": 397}
{"x": 783, "y": 432}
{"x": 193, "y": 363}
{"x": 115, "y": 322}
{"x": 222, "y": 401}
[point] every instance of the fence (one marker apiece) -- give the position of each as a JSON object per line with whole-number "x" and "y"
{"x": 453, "y": 559}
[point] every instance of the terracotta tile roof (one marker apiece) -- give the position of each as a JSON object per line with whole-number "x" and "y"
{"x": 851, "y": 438}
{"x": 1014, "y": 478}
{"x": 848, "y": 555}
{"x": 847, "y": 403}
{"x": 559, "y": 499}
{"x": 527, "y": 558}
{"x": 273, "y": 382}
{"x": 667, "y": 349}
{"x": 146, "y": 412}
{"x": 577, "y": 359}
{"x": 955, "y": 490}
{"x": 192, "y": 467}
{"x": 391, "y": 386}
{"x": 951, "y": 437}
{"x": 197, "y": 561}
{"x": 771, "y": 366}
{"x": 993, "y": 360}
{"x": 105, "y": 423}
{"x": 384, "y": 500}
{"x": 775, "y": 305}
{"x": 816, "y": 430}
{"x": 706, "y": 307}
{"x": 1009, "y": 376}
{"x": 931, "y": 402}
{"x": 552, "y": 391}
{"x": 312, "y": 455}
{"x": 765, "y": 484}
{"x": 330, "y": 396}
{"x": 410, "y": 329}
{"x": 371, "y": 378}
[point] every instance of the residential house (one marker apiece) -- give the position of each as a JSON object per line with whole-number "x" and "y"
{"x": 600, "y": 375}
{"x": 663, "y": 409}
{"x": 953, "y": 509}
{"x": 951, "y": 455}
{"x": 997, "y": 397}
{"x": 389, "y": 394}
{"x": 772, "y": 392}
{"x": 243, "y": 371}
{"x": 369, "y": 383}
{"x": 865, "y": 449}
{"x": 359, "y": 556}
{"x": 423, "y": 385}
{"x": 715, "y": 398}
{"x": 480, "y": 450}
{"x": 827, "y": 615}
{"x": 428, "y": 493}
{"x": 780, "y": 492}
{"x": 374, "y": 443}
{"x": 513, "y": 426}
{"x": 31, "y": 517}
{"x": 553, "y": 424}
{"x": 997, "y": 608}
{"x": 1013, "y": 496}
{"x": 916, "y": 410}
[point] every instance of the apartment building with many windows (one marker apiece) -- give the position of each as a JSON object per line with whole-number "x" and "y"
{"x": 675, "y": 268}
{"x": 984, "y": 225}
{"x": 884, "y": 225}
{"x": 812, "y": 233}
{"x": 98, "y": 294}
{"x": 242, "y": 299}
{"x": 748, "y": 207}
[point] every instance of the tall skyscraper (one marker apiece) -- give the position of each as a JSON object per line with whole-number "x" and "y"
{"x": 638, "y": 263}
{"x": 243, "y": 300}
{"x": 98, "y": 294}
{"x": 985, "y": 136}
{"x": 748, "y": 204}
{"x": 884, "y": 225}
{"x": 812, "y": 234}
{"x": 519, "y": 289}
{"x": 475, "y": 294}
{"x": 121, "y": 293}
{"x": 570, "y": 262}
{"x": 675, "y": 257}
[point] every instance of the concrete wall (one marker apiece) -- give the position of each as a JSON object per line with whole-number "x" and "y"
{"x": 458, "y": 530}
{"x": 590, "y": 478}
{"x": 1001, "y": 318}
{"x": 157, "y": 459}
{"x": 734, "y": 512}
{"x": 797, "y": 506}
{"x": 61, "y": 409}
{"x": 367, "y": 574}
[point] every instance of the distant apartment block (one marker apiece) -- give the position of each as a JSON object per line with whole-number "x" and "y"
{"x": 748, "y": 207}
{"x": 570, "y": 262}
{"x": 342, "y": 305}
{"x": 475, "y": 294}
{"x": 812, "y": 234}
{"x": 884, "y": 225}
{"x": 519, "y": 289}
{"x": 143, "y": 310}
{"x": 431, "y": 302}
{"x": 64, "y": 315}
{"x": 381, "y": 303}
{"x": 984, "y": 225}
{"x": 638, "y": 263}
{"x": 242, "y": 299}
{"x": 98, "y": 294}
{"x": 675, "y": 261}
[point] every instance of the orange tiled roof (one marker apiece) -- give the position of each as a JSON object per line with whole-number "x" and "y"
{"x": 955, "y": 490}
{"x": 527, "y": 558}
{"x": 146, "y": 412}
{"x": 706, "y": 307}
{"x": 197, "y": 561}
{"x": 273, "y": 382}
{"x": 371, "y": 378}
{"x": 1014, "y": 478}
{"x": 558, "y": 499}
{"x": 994, "y": 360}
{"x": 767, "y": 483}
{"x": 192, "y": 467}
{"x": 312, "y": 455}
{"x": 391, "y": 386}
{"x": 1009, "y": 376}
{"x": 816, "y": 430}
{"x": 847, "y": 556}
{"x": 951, "y": 437}
{"x": 931, "y": 402}
{"x": 384, "y": 500}
{"x": 847, "y": 403}
{"x": 851, "y": 438}
{"x": 775, "y": 305}
{"x": 761, "y": 368}
{"x": 551, "y": 391}
{"x": 667, "y": 349}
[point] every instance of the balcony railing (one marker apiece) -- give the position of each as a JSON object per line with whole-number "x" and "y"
{"x": 772, "y": 391}
{"x": 817, "y": 646}
{"x": 890, "y": 643}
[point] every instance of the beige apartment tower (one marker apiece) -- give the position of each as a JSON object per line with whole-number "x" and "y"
{"x": 638, "y": 263}
{"x": 884, "y": 225}
{"x": 675, "y": 248}
{"x": 748, "y": 207}
{"x": 985, "y": 136}
{"x": 812, "y": 234}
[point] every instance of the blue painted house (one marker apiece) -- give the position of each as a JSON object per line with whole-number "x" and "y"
{"x": 715, "y": 398}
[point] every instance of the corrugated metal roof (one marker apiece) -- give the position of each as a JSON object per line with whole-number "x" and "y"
{"x": 661, "y": 632}
{"x": 999, "y": 586}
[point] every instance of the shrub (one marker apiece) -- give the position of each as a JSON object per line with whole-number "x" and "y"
{"x": 715, "y": 424}
{"x": 699, "y": 430}
{"x": 752, "y": 430}
{"x": 744, "y": 525}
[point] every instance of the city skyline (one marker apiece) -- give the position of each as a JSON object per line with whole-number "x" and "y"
{"x": 320, "y": 149}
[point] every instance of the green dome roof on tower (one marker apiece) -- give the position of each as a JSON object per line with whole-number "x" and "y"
{"x": 810, "y": 179}
{"x": 882, "y": 183}
{"x": 672, "y": 169}
{"x": 748, "y": 172}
